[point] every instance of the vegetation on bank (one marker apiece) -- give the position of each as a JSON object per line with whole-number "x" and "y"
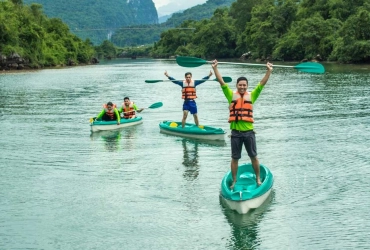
{"x": 96, "y": 19}
{"x": 108, "y": 50}
{"x": 32, "y": 39}
{"x": 333, "y": 30}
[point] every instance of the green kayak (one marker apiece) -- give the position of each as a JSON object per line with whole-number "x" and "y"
{"x": 192, "y": 131}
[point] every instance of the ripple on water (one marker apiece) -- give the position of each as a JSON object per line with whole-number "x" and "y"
{"x": 63, "y": 187}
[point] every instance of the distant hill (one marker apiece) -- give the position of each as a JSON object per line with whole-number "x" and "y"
{"x": 163, "y": 19}
{"x": 84, "y": 17}
{"x": 151, "y": 33}
{"x": 170, "y": 7}
{"x": 198, "y": 12}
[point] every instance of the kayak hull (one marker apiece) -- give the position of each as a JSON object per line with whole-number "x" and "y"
{"x": 192, "y": 131}
{"x": 246, "y": 194}
{"x": 96, "y": 126}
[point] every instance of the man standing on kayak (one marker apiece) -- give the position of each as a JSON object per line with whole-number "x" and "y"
{"x": 241, "y": 119}
{"x": 189, "y": 94}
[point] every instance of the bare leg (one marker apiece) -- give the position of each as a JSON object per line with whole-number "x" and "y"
{"x": 196, "y": 119}
{"x": 234, "y": 171}
{"x": 256, "y": 167}
{"x": 184, "y": 116}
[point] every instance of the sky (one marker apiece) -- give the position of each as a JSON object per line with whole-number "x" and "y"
{"x": 166, "y": 7}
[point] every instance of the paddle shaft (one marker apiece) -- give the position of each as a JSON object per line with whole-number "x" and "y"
{"x": 226, "y": 79}
{"x": 308, "y": 67}
{"x": 153, "y": 106}
{"x": 253, "y": 64}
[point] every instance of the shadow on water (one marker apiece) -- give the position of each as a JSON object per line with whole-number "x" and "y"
{"x": 218, "y": 143}
{"x": 111, "y": 139}
{"x": 346, "y": 68}
{"x": 244, "y": 227}
{"x": 190, "y": 160}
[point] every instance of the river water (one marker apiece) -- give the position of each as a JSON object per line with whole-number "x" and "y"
{"x": 63, "y": 188}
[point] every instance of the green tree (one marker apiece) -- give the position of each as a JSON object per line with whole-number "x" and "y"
{"x": 353, "y": 45}
{"x": 307, "y": 38}
{"x": 260, "y": 33}
{"x": 217, "y": 37}
{"x": 241, "y": 12}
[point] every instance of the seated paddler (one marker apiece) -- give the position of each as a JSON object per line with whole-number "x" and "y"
{"x": 109, "y": 113}
{"x": 129, "y": 109}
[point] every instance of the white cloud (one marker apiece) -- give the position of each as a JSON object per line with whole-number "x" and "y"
{"x": 166, "y": 7}
{"x": 160, "y": 3}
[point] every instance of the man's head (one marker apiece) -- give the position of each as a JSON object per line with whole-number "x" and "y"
{"x": 188, "y": 77}
{"x": 109, "y": 105}
{"x": 126, "y": 100}
{"x": 242, "y": 84}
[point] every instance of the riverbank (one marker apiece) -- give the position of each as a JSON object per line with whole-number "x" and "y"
{"x": 15, "y": 62}
{"x": 330, "y": 66}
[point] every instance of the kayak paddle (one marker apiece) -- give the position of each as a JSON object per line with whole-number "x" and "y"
{"x": 155, "y": 105}
{"x": 308, "y": 67}
{"x": 226, "y": 79}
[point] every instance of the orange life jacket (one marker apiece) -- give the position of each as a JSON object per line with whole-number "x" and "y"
{"x": 128, "y": 112}
{"x": 110, "y": 113}
{"x": 188, "y": 90}
{"x": 241, "y": 108}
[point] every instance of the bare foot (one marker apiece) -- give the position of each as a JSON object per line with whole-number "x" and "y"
{"x": 232, "y": 186}
{"x": 259, "y": 183}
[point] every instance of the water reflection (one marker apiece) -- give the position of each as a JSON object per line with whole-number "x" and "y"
{"x": 129, "y": 135}
{"x": 111, "y": 139}
{"x": 190, "y": 160}
{"x": 244, "y": 227}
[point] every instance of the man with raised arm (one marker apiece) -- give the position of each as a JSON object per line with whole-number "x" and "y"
{"x": 189, "y": 94}
{"x": 241, "y": 119}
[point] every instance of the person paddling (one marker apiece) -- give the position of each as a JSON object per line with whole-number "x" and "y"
{"x": 189, "y": 95}
{"x": 128, "y": 109}
{"x": 109, "y": 113}
{"x": 241, "y": 119}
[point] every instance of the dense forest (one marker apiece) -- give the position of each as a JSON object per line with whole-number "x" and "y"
{"x": 290, "y": 30}
{"x": 98, "y": 19}
{"x": 28, "y": 38}
{"x": 335, "y": 30}
{"x": 148, "y": 34}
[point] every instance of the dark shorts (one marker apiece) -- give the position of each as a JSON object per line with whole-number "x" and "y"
{"x": 238, "y": 138}
{"x": 190, "y": 106}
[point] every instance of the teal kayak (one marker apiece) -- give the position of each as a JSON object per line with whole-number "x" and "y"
{"x": 192, "y": 131}
{"x": 246, "y": 194}
{"x": 112, "y": 125}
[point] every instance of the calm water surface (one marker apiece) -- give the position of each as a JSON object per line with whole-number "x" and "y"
{"x": 63, "y": 188}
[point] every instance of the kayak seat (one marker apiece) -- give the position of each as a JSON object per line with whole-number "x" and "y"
{"x": 247, "y": 178}
{"x": 246, "y": 181}
{"x": 173, "y": 125}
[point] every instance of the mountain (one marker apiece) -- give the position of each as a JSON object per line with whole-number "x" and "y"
{"x": 198, "y": 12}
{"x": 151, "y": 33}
{"x": 98, "y": 19}
{"x": 177, "y": 6}
{"x": 162, "y": 19}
